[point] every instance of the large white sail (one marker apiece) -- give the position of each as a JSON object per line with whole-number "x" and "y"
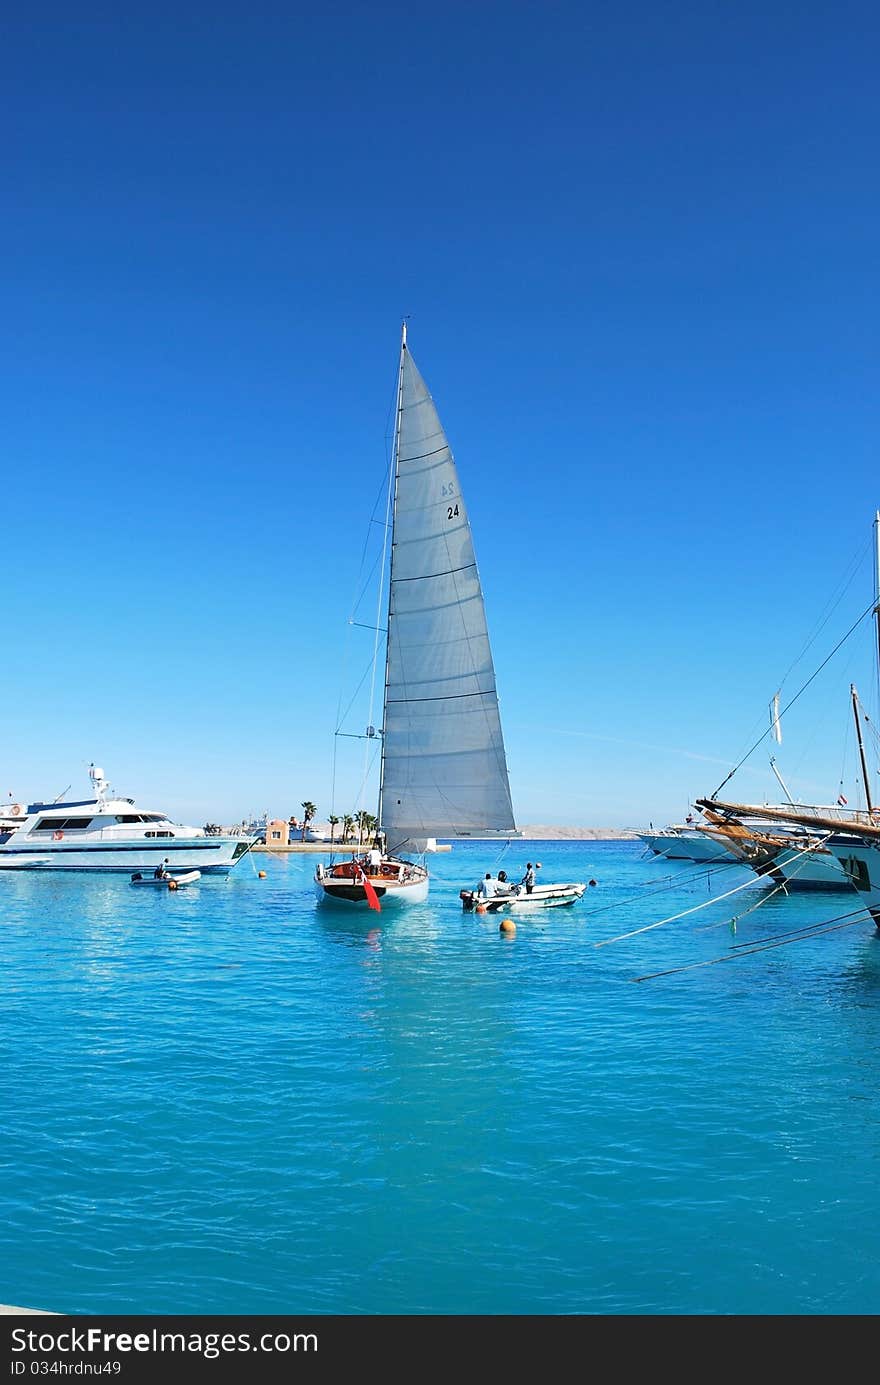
{"x": 444, "y": 772}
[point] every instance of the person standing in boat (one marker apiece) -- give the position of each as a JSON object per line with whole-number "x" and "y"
{"x": 374, "y": 860}
{"x": 161, "y": 871}
{"x": 529, "y": 878}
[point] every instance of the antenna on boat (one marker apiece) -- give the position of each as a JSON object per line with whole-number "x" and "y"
{"x": 99, "y": 781}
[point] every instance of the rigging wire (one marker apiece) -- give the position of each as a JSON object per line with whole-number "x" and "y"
{"x": 868, "y": 609}
{"x": 824, "y": 616}
{"x": 831, "y": 607}
{"x": 823, "y": 713}
{"x": 360, "y": 587}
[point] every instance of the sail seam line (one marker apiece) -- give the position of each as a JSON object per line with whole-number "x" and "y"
{"x": 420, "y": 456}
{"x": 430, "y": 538}
{"x": 429, "y": 576}
{"x": 450, "y": 697}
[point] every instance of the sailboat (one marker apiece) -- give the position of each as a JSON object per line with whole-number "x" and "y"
{"x": 443, "y": 771}
{"x": 848, "y": 838}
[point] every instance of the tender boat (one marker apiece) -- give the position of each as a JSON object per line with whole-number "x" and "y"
{"x": 686, "y": 842}
{"x": 109, "y": 833}
{"x": 168, "y": 882}
{"x": 514, "y": 899}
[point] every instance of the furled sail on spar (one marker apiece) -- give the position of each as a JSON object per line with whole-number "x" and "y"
{"x": 444, "y": 772}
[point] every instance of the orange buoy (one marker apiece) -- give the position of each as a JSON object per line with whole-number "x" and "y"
{"x": 507, "y": 926}
{"x": 261, "y": 874}
{"x": 172, "y": 884}
{"x": 479, "y": 908}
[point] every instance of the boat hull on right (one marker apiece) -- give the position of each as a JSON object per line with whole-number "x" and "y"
{"x": 686, "y": 844}
{"x": 860, "y": 861}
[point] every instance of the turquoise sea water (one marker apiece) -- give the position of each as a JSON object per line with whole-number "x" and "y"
{"x": 229, "y": 1100}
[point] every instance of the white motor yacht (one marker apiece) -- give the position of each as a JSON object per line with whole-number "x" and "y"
{"x": 686, "y": 841}
{"x": 109, "y": 833}
{"x": 12, "y": 815}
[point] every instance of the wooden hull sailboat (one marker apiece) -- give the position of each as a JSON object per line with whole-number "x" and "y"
{"x": 443, "y": 772}
{"x": 357, "y": 883}
{"x": 806, "y": 846}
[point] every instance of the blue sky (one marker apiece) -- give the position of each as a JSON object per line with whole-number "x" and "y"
{"x": 638, "y": 249}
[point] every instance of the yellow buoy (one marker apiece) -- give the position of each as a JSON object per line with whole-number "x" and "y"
{"x": 507, "y": 926}
{"x": 261, "y": 874}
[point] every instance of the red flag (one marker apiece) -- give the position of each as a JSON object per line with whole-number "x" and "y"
{"x": 372, "y": 897}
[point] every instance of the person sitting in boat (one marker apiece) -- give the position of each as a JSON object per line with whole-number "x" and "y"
{"x": 161, "y": 871}
{"x": 503, "y": 884}
{"x": 487, "y": 888}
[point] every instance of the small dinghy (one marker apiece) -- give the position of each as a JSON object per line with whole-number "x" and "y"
{"x": 516, "y": 899}
{"x": 169, "y": 882}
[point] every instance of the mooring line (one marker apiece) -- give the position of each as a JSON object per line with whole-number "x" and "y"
{"x": 696, "y": 907}
{"x": 796, "y": 933}
{"x": 734, "y": 956}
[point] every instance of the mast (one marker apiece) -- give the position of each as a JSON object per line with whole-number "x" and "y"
{"x": 395, "y": 459}
{"x": 782, "y": 782}
{"x": 865, "y": 780}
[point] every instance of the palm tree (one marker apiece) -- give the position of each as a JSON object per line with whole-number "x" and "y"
{"x": 333, "y": 822}
{"x": 347, "y": 824}
{"x": 309, "y": 811}
{"x": 366, "y": 825}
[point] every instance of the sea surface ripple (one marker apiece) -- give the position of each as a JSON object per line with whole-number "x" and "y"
{"x": 232, "y": 1100}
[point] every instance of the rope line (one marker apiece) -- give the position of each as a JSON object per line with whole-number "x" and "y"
{"x": 734, "y": 956}
{"x": 683, "y": 880}
{"x": 796, "y": 933}
{"x": 696, "y": 907}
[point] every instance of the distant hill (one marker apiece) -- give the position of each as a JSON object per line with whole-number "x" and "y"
{"x": 543, "y": 832}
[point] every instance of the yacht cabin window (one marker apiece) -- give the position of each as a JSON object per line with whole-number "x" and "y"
{"x": 62, "y": 824}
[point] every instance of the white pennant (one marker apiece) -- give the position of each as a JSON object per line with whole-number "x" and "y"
{"x": 774, "y": 719}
